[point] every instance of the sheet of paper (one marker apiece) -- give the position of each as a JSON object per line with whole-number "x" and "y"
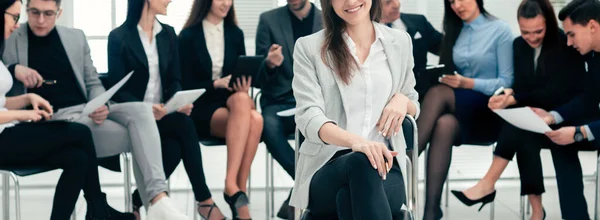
{"x": 524, "y": 118}
{"x": 102, "y": 99}
{"x": 287, "y": 113}
{"x": 183, "y": 98}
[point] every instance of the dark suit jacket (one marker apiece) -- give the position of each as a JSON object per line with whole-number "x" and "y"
{"x": 126, "y": 53}
{"x": 274, "y": 27}
{"x": 196, "y": 63}
{"x": 557, "y": 79}
{"x": 429, "y": 41}
{"x": 584, "y": 109}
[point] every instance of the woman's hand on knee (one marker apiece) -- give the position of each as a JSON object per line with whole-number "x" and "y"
{"x": 379, "y": 155}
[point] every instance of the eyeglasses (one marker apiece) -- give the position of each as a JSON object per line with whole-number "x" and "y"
{"x": 14, "y": 16}
{"x": 37, "y": 13}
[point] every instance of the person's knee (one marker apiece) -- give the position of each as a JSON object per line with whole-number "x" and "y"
{"x": 447, "y": 122}
{"x": 256, "y": 119}
{"x": 239, "y": 100}
{"x": 358, "y": 165}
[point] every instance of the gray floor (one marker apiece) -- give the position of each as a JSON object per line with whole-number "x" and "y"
{"x": 36, "y": 204}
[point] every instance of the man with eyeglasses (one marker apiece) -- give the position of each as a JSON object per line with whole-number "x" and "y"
{"x": 41, "y": 50}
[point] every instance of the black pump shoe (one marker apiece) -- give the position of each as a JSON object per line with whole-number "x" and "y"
{"x": 468, "y": 202}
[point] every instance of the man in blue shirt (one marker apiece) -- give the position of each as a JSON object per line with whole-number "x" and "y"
{"x": 579, "y": 120}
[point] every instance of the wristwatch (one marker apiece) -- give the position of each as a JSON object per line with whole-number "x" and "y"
{"x": 578, "y": 135}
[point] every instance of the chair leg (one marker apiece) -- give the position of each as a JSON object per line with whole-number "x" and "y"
{"x": 597, "y": 203}
{"x": 447, "y": 191}
{"x": 409, "y": 186}
{"x": 492, "y": 210}
{"x": 5, "y": 197}
{"x": 267, "y": 210}
{"x": 17, "y": 195}
{"x": 522, "y": 208}
{"x": 527, "y": 207}
{"x": 127, "y": 181}
{"x": 272, "y": 189}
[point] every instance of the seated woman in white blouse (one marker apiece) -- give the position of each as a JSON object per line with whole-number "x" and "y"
{"x": 351, "y": 100}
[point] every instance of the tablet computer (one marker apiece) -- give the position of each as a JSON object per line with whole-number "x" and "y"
{"x": 437, "y": 71}
{"x": 246, "y": 66}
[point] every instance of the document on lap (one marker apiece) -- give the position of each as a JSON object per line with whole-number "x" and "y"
{"x": 183, "y": 98}
{"x": 287, "y": 113}
{"x": 102, "y": 99}
{"x": 524, "y": 118}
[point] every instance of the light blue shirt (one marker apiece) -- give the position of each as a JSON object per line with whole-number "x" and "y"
{"x": 484, "y": 52}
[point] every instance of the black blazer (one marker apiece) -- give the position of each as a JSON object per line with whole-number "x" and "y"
{"x": 196, "y": 63}
{"x": 126, "y": 53}
{"x": 557, "y": 79}
{"x": 584, "y": 109}
{"x": 429, "y": 41}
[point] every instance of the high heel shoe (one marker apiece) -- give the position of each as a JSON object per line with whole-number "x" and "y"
{"x": 211, "y": 206}
{"x": 468, "y": 202}
{"x": 238, "y": 200}
{"x": 544, "y": 218}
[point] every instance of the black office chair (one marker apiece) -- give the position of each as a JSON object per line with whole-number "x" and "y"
{"x": 409, "y": 128}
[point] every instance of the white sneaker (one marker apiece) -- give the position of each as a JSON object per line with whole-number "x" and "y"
{"x": 164, "y": 209}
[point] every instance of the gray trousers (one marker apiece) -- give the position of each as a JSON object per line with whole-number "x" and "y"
{"x": 130, "y": 127}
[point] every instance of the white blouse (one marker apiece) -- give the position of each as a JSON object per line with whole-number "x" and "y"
{"x": 368, "y": 91}
{"x": 5, "y": 85}
{"x": 154, "y": 89}
{"x": 215, "y": 42}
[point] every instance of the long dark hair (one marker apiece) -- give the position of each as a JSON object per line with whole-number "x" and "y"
{"x": 452, "y": 27}
{"x": 334, "y": 52}
{"x": 532, "y": 8}
{"x": 200, "y": 10}
{"x": 134, "y": 12}
{"x": 4, "y": 4}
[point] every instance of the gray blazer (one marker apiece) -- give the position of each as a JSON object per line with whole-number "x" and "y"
{"x": 275, "y": 27}
{"x": 321, "y": 98}
{"x": 78, "y": 51}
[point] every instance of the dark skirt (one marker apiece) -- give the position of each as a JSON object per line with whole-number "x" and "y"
{"x": 478, "y": 124}
{"x": 205, "y": 107}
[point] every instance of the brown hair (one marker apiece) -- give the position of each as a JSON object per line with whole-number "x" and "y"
{"x": 200, "y": 10}
{"x": 334, "y": 46}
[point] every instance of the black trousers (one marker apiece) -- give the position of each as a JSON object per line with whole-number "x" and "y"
{"x": 180, "y": 143}
{"x": 64, "y": 145}
{"x": 276, "y": 131}
{"x": 569, "y": 177}
{"x": 348, "y": 187}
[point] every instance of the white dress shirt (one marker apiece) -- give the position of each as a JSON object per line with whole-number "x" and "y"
{"x": 154, "y": 89}
{"x": 398, "y": 24}
{"x": 5, "y": 85}
{"x": 367, "y": 92}
{"x": 215, "y": 42}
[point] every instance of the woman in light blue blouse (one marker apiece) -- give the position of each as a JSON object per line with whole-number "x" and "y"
{"x": 478, "y": 47}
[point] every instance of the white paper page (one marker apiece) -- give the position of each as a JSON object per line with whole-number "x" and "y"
{"x": 287, "y": 113}
{"x": 183, "y": 98}
{"x": 524, "y": 118}
{"x": 102, "y": 99}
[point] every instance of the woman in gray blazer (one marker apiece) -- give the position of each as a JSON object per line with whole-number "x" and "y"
{"x": 353, "y": 84}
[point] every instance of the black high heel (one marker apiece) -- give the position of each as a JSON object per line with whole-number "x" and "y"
{"x": 238, "y": 200}
{"x": 468, "y": 202}
{"x": 544, "y": 218}
{"x": 211, "y": 206}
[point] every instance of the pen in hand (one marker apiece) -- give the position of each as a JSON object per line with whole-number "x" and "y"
{"x": 49, "y": 82}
